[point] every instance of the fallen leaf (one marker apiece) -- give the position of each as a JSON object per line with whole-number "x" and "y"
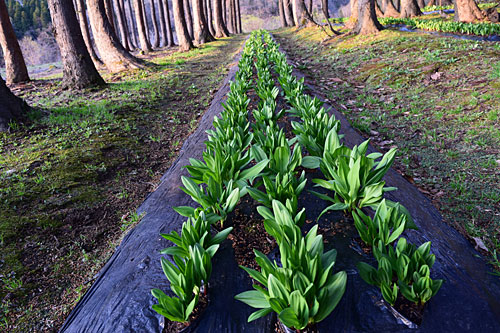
{"x": 436, "y": 76}
{"x": 479, "y": 244}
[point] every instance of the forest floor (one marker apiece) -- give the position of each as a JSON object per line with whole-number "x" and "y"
{"x": 436, "y": 99}
{"x": 73, "y": 176}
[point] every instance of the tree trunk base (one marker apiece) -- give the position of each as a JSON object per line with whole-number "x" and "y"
{"x": 11, "y": 107}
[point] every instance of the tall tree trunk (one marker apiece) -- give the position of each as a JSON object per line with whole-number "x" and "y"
{"x": 122, "y": 26}
{"x": 133, "y": 28}
{"x": 163, "y": 24}
{"x": 232, "y": 15}
{"x": 224, "y": 11}
{"x": 378, "y": 11}
{"x": 109, "y": 13}
{"x": 11, "y": 107}
{"x": 145, "y": 19}
{"x": 200, "y": 26}
{"x": 155, "y": 24}
{"x": 114, "y": 56}
{"x": 409, "y": 8}
{"x": 84, "y": 27}
{"x": 389, "y": 9}
{"x": 367, "y": 20}
{"x": 353, "y": 19}
{"x": 185, "y": 43}
{"x": 189, "y": 18}
{"x": 284, "y": 23}
{"x": 421, "y": 4}
{"x": 467, "y": 11}
{"x": 302, "y": 16}
{"x": 78, "y": 69}
{"x": 326, "y": 13}
{"x": 220, "y": 26}
{"x": 431, "y": 3}
{"x": 208, "y": 4}
{"x": 310, "y": 7}
{"x": 170, "y": 35}
{"x": 238, "y": 16}
{"x": 15, "y": 66}
{"x": 141, "y": 26}
{"x": 287, "y": 7}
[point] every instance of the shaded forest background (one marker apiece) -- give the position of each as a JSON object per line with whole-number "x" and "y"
{"x": 32, "y": 24}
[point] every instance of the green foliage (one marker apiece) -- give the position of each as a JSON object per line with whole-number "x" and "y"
{"x": 31, "y": 15}
{"x": 303, "y": 289}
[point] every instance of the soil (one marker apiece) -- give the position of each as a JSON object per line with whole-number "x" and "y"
{"x": 409, "y": 310}
{"x": 176, "y": 327}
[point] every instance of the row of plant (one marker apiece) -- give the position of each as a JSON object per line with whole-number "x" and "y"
{"x": 301, "y": 288}
{"x": 216, "y": 183}
{"x": 480, "y": 29}
{"x": 355, "y": 178}
{"x": 436, "y": 8}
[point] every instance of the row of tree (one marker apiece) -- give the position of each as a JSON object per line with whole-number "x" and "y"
{"x": 364, "y": 12}
{"x": 102, "y": 33}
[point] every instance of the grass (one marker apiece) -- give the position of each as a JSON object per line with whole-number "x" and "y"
{"x": 72, "y": 177}
{"x": 435, "y": 98}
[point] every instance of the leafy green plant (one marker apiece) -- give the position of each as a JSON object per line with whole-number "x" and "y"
{"x": 303, "y": 290}
{"x": 387, "y": 224}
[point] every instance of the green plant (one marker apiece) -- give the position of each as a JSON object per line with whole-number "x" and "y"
{"x": 303, "y": 291}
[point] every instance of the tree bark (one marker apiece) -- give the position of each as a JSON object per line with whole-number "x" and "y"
{"x": 189, "y": 18}
{"x": 11, "y": 107}
{"x": 367, "y": 20}
{"x": 201, "y": 33}
{"x": 84, "y": 27}
{"x": 170, "y": 35}
{"x": 133, "y": 28}
{"x": 421, "y": 4}
{"x": 301, "y": 15}
{"x": 287, "y": 7}
{"x": 163, "y": 24}
{"x": 209, "y": 14}
{"x": 220, "y": 26}
{"x": 389, "y": 9}
{"x": 378, "y": 11}
{"x": 122, "y": 25}
{"x": 281, "y": 8}
{"x": 15, "y": 66}
{"x": 353, "y": 19}
{"x": 467, "y": 11}
{"x": 145, "y": 19}
{"x": 155, "y": 25}
{"x": 310, "y": 7}
{"x": 141, "y": 26}
{"x": 109, "y": 13}
{"x": 114, "y": 56}
{"x": 238, "y": 16}
{"x": 78, "y": 69}
{"x": 409, "y": 8}
{"x": 185, "y": 43}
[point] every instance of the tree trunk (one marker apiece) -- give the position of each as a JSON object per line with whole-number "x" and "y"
{"x": 185, "y": 43}
{"x": 467, "y": 11}
{"x": 170, "y": 35}
{"x": 122, "y": 26}
{"x": 224, "y": 11}
{"x": 220, "y": 26}
{"x": 114, "y": 56}
{"x": 353, "y": 19}
{"x": 233, "y": 14}
{"x": 208, "y": 4}
{"x": 367, "y": 20}
{"x": 189, "y": 18}
{"x": 155, "y": 24}
{"x": 78, "y": 69}
{"x": 287, "y": 7}
{"x": 229, "y": 16}
{"x": 431, "y": 3}
{"x": 15, "y": 66}
{"x": 301, "y": 15}
{"x": 109, "y": 13}
{"x": 163, "y": 24}
{"x": 11, "y": 107}
{"x": 284, "y": 23}
{"x": 84, "y": 27}
{"x": 201, "y": 33}
{"x": 421, "y": 4}
{"x": 378, "y": 11}
{"x": 238, "y": 16}
{"x": 133, "y": 28}
{"x": 145, "y": 19}
{"x": 310, "y": 7}
{"x": 409, "y": 8}
{"x": 141, "y": 26}
{"x": 389, "y": 9}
